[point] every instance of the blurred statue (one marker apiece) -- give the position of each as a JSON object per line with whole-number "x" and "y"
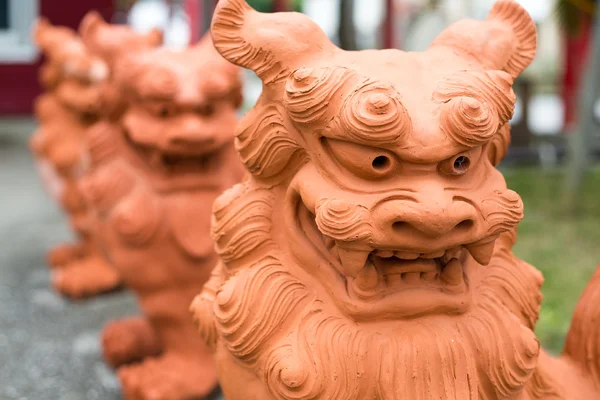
{"x": 369, "y": 254}
{"x": 156, "y": 169}
{"x": 73, "y": 79}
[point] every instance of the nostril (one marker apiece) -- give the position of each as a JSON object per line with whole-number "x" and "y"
{"x": 400, "y": 226}
{"x": 464, "y": 225}
{"x": 380, "y": 162}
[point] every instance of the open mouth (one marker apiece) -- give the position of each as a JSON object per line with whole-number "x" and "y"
{"x": 389, "y": 271}
{"x": 89, "y": 117}
{"x": 392, "y": 281}
{"x": 181, "y": 164}
{"x": 386, "y": 272}
{"x": 171, "y": 163}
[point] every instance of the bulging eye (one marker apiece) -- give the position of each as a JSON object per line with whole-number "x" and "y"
{"x": 364, "y": 161}
{"x": 460, "y": 163}
{"x": 161, "y": 109}
{"x": 206, "y": 110}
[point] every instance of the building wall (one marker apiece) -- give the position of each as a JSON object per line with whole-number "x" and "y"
{"x": 18, "y": 80}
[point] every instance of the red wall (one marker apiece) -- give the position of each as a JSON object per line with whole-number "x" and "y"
{"x": 18, "y": 83}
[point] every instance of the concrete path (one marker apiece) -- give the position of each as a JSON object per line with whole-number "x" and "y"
{"x": 49, "y": 347}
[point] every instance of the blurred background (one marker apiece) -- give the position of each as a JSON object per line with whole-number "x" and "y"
{"x": 48, "y": 346}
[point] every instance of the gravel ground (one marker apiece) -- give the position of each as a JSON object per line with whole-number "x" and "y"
{"x": 49, "y": 348}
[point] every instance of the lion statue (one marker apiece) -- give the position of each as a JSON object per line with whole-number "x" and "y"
{"x": 155, "y": 171}
{"x": 368, "y": 255}
{"x": 92, "y": 274}
{"x": 73, "y": 79}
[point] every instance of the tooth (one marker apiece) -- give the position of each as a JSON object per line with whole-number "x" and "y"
{"x": 436, "y": 254}
{"x": 482, "y": 253}
{"x": 385, "y": 253}
{"x": 454, "y": 251}
{"x": 411, "y": 277}
{"x": 429, "y": 276}
{"x": 353, "y": 261}
{"x": 407, "y": 255}
{"x": 452, "y": 273}
{"x": 391, "y": 279}
{"x": 368, "y": 278}
{"x": 450, "y": 254}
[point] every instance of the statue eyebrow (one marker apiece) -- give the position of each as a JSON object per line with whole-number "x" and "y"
{"x": 372, "y": 115}
{"x": 474, "y": 105}
{"x": 341, "y": 103}
{"x": 158, "y": 83}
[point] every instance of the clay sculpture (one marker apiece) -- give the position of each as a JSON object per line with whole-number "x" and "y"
{"x": 369, "y": 255}
{"x": 73, "y": 79}
{"x": 66, "y": 58}
{"x": 174, "y": 156}
{"x": 93, "y": 274}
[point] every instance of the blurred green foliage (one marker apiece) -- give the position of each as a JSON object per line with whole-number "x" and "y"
{"x": 565, "y": 248}
{"x": 571, "y": 13}
{"x": 266, "y": 5}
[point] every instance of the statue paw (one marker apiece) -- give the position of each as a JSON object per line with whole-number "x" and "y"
{"x": 129, "y": 340}
{"x": 85, "y": 278}
{"x": 64, "y": 254}
{"x": 167, "y": 378}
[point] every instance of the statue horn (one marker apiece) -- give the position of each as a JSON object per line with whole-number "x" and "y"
{"x": 505, "y": 41}
{"x": 271, "y": 45}
{"x": 90, "y": 22}
{"x": 39, "y": 27}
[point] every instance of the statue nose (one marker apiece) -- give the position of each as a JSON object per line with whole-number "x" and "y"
{"x": 191, "y": 133}
{"x": 432, "y": 218}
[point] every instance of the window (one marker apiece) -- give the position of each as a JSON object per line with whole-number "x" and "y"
{"x": 4, "y": 10}
{"x": 16, "y": 20}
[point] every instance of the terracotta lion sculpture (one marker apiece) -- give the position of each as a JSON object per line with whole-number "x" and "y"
{"x": 368, "y": 255}
{"x": 92, "y": 274}
{"x": 155, "y": 174}
{"x": 73, "y": 79}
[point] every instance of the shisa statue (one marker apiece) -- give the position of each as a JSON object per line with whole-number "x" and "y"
{"x": 369, "y": 255}
{"x": 109, "y": 42}
{"x": 73, "y": 79}
{"x": 154, "y": 177}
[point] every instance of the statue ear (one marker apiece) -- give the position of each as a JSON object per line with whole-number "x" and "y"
{"x": 505, "y": 41}
{"x": 520, "y": 38}
{"x": 271, "y": 45}
{"x": 227, "y": 81}
{"x": 155, "y": 37}
{"x": 89, "y": 26}
{"x": 41, "y": 28}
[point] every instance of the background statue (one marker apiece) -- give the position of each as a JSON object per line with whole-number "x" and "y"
{"x": 73, "y": 79}
{"x": 155, "y": 174}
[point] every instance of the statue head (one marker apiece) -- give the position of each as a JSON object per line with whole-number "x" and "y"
{"x": 109, "y": 41}
{"x": 181, "y": 113}
{"x": 70, "y": 70}
{"x": 373, "y": 238}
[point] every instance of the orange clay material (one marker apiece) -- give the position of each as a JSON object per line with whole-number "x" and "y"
{"x": 369, "y": 255}
{"x": 156, "y": 170}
